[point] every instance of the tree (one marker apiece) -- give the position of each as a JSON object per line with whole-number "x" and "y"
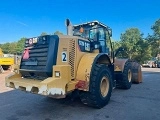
{"x": 154, "y": 40}
{"x": 140, "y": 55}
{"x": 6, "y": 48}
{"x": 156, "y": 29}
{"x": 58, "y": 33}
{"x": 13, "y": 46}
{"x": 135, "y": 46}
{"x": 20, "y": 45}
{"x": 43, "y": 33}
{"x": 117, "y": 44}
{"x": 154, "y": 44}
{"x": 129, "y": 41}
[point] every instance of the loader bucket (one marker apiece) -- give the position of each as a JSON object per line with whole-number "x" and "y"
{"x": 136, "y": 73}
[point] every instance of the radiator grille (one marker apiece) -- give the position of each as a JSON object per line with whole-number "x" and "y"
{"x": 39, "y": 54}
{"x": 72, "y": 57}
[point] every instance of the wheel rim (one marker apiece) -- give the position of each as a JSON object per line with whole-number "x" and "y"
{"x": 129, "y": 75}
{"x": 104, "y": 86}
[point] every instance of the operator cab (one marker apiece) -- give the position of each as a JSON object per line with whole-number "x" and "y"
{"x": 97, "y": 33}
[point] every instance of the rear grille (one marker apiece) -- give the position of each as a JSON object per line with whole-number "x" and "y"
{"x": 39, "y": 50}
{"x": 39, "y": 57}
{"x": 38, "y": 53}
{"x": 72, "y": 57}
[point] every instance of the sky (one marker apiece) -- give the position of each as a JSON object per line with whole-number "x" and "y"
{"x": 29, "y": 18}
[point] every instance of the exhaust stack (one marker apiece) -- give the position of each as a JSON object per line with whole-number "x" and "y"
{"x": 69, "y": 27}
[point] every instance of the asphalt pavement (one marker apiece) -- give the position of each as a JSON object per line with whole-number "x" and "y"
{"x": 141, "y": 102}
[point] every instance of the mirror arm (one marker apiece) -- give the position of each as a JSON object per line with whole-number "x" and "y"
{"x": 112, "y": 53}
{"x": 118, "y": 50}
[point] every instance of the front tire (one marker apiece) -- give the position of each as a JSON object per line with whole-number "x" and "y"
{"x": 126, "y": 81}
{"x": 100, "y": 87}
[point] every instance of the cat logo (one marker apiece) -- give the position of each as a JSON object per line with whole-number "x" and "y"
{"x": 117, "y": 68}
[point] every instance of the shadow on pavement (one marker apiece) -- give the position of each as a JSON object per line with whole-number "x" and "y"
{"x": 15, "y": 105}
{"x": 144, "y": 98}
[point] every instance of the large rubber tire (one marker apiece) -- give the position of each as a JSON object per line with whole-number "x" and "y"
{"x": 126, "y": 81}
{"x": 136, "y": 73}
{"x": 100, "y": 87}
{"x": 5, "y": 67}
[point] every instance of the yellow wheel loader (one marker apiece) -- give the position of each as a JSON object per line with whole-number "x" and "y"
{"x": 5, "y": 62}
{"x": 58, "y": 65}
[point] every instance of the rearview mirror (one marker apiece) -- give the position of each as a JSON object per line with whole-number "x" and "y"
{"x": 110, "y": 32}
{"x": 120, "y": 49}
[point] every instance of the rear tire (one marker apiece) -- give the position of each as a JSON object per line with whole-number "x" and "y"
{"x": 100, "y": 87}
{"x": 126, "y": 81}
{"x": 5, "y": 67}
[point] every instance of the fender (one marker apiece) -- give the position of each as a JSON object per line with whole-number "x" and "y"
{"x": 119, "y": 67}
{"x": 85, "y": 67}
{"x": 119, "y": 64}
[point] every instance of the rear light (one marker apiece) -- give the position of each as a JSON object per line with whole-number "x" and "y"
{"x": 57, "y": 73}
{"x": 30, "y": 41}
{"x": 35, "y": 40}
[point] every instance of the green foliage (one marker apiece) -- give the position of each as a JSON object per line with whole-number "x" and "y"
{"x": 154, "y": 40}
{"x": 135, "y": 46}
{"x": 43, "y": 33}
{"x": 129, "y": 41}
{"x": 55, "y": 33}
{"x": 13, "y": 47}
{"x": 156, "y": 29}
{"x": 20, "y": 45}
{"x": 17, "y": 47}
{"x": 58, "y": 33}
{"x": 143, "y": 52}
{"x": 117, "y": 44}
{"x": 6, "y": 47}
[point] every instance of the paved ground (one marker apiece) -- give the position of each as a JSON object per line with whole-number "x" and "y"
{"x": 2, "y": 85}
{"x": 141, "y": 102}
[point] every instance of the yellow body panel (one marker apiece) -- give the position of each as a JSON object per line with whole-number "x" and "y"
{"x": 63, "y": 47}
{"x": 75, "y": 58}
{"x": 6, "y": 61}
{"x": 52, "y": 86}
{"x": 71, "y": 85}
{"x": 69, "y": 46}
{"x": 85, "y": 66}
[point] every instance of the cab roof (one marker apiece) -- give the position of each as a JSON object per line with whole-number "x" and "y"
{"x": 90, "y": 24}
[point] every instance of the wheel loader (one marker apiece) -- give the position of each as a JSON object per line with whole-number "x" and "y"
{"x": 81, "y": 61}
{"x": 5, "y": 62}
